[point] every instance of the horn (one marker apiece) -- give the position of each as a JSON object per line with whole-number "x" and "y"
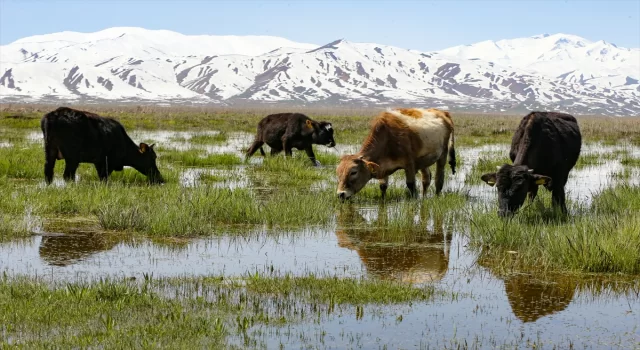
{"x": 530, "y": 171}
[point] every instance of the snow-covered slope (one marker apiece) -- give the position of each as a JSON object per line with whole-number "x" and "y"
{"x": 561, "y": 72}
{"x": 565, "y": 57}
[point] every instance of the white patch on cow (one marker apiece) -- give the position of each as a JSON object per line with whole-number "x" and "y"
{"x": 328, "y": 127}
{"x": 432, "y": 130}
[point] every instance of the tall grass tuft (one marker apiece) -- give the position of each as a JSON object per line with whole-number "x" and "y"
{"x": 602, "y": 238}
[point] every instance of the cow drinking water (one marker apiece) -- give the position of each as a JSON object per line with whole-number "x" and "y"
{"x": 83, "y": 137}
{"x": 410, "y": 139}
{"x": 285, "y": 131}
{"x": 544, "y": 148}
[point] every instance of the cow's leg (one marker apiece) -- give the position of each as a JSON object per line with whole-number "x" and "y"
{"x": 101, "y": 168}
{"x": 286, "y": 146}
{"x": 410, "y": 175}
{"x": 426, "y": 180}
{"x": 70, "y": 168}
{"x": 440, "y": 164}
{"x": 50, "y": 155}
{"x": 384, "y": 184}
{"x": 558, "y": 197}
{"x": 311, "y": 155}
{"x": 257, "y": 144}
{"x": 262, "y": 151}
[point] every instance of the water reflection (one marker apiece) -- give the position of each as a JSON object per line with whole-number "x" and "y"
{"x": 67, "y": 249}
{"x": 531, "y": 298}
{"x": 407, "y": 256}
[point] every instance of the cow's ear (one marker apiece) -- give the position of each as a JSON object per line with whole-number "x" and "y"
{"x": 151, "y": 146}
{"x": 143, "y": 147}
{"x": 489, "y": 178}
{"x": 309, "y": 124}
{"x": 373, "y": 168}
{"x": 541, "y": 180}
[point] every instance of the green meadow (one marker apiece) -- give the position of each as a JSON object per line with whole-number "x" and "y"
{"x": 220, "y": 194}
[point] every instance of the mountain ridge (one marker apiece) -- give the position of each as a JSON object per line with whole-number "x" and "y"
{"x": 546, "y": 71}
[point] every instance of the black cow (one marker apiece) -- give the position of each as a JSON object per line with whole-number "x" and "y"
{"x": 291, "y": 130}
{"x": 544, "y": 148}
{"x": 83, "y": 137}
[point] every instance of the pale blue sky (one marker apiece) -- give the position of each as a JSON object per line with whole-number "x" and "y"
{"x": 421, "y": 24}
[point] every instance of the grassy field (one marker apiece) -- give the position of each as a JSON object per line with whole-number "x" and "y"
{"x": 219, "y": 193}
{"x": 178, "y": 313}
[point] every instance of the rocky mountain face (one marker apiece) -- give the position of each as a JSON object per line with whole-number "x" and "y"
{"x": 552, "y": 72}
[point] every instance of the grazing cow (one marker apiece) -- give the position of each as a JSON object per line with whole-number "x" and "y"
{"x": 291, "y": 130}
{"x": 410, "y": 139}
{"x": 83, "y": 137}
{"x": 544, "y": 148}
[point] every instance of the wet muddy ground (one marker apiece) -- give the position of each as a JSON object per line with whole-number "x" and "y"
{"x": 484, "y": 308}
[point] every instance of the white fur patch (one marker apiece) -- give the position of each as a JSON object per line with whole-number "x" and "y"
{"x": 432, "y": 131}
{"x": 328, "y": 127}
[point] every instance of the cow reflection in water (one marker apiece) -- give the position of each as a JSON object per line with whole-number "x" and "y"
{"x": 69, "y": 249}
{"x": 532, "y": 299}
{"x": 413, "y": 257}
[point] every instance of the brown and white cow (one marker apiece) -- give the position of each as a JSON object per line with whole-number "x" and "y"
{"x": 411, "y": 139}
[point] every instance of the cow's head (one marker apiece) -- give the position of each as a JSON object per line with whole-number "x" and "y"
{"x": 513, "y": 183}
{"x": 353, "y": 174}
{"x": 147, "y": 163}
{"x": 322, "y": 133}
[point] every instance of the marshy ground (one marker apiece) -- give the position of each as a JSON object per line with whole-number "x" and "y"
{"x": 260, "y": 253}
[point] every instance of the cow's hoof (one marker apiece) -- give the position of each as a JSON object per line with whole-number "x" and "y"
{"x": 317, "y": 163}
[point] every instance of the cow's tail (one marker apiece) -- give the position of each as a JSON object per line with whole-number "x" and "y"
{"x": 452, "y": 146}
{"x": 256, "y": 145}
{"x": 45, "y": 130}
{"x": 51, "y": 149}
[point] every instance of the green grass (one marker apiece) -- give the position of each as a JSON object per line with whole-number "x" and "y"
{"x": 627, "y": 160}
{"x": 590, "y": 159}
{"x": 284, "y": 195}
{"x": 207, "y": 139}
{"x": 351, "y": 125}
{"x": 279, "y": 172}
{"x": 604, "y": 237}
{"x": 106, "y": 314}
{"x": 177, "y": 313}
{"x": 487, "y": 163}
{"x": 337, "y": 290}
{"x": 290, "y": 192}
{"x": 199, "y": 158}
{"x": 176, "y": 211}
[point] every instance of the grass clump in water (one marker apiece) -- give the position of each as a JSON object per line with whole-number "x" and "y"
{"x": 604, "y": 237}
{"x": 208, "y": 139}
{"x": 194, "y": 158}
{"x": 486, "y": 164}
{"x": 106, "y": 314}
{"x": 339, "y": 291}
{"x": 175, "y": 211}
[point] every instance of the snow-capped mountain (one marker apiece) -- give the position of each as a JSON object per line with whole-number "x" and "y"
{"x": 560, "y": 72}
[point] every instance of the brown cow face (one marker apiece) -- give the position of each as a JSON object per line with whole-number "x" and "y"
{"x": 353, "y": 174}
{"x": 513, "y": 183}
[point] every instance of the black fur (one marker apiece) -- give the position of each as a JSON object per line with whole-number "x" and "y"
{"x": 83, "y": 137}
{"x": 285, "y": 131}
{"x": 544, "y": 149}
